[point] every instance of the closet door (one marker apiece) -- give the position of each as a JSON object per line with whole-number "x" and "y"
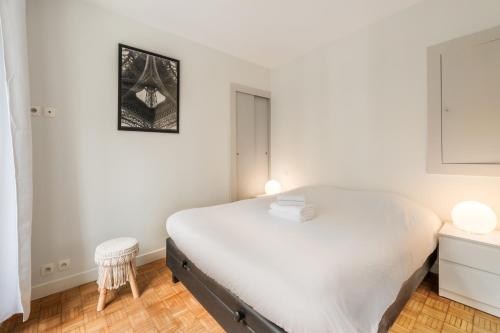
{"x": 261, "y": 172}
{"x": 470, "y": 113}
{"x": 252, "y": 144}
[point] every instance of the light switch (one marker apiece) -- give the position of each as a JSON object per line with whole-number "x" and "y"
{"x": 36, "y": 111}
{"x": 49, "y": 111}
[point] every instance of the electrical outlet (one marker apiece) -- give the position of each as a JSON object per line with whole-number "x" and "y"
{"x": 49, "y": 111}
{"x": 64, "y": 264}
{"x": 47, "y": 269}
{"x": 36, "y": 111}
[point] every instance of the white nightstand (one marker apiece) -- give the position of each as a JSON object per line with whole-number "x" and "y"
{"x": 469, "y": 268}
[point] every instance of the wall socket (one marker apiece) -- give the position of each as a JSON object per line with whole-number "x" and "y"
{"x": 47, "y": 269}
{"x": 64, "y": 264}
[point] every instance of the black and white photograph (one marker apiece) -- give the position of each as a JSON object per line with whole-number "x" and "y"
{"x": 148, "y": 91}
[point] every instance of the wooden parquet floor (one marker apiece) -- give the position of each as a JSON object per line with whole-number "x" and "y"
{"x": 167, "y": 307}
{"x": 162, "y": 307}
{"x": 427, "y": 312}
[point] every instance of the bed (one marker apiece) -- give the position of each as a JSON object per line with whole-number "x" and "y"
{"x": 350, "y": 269}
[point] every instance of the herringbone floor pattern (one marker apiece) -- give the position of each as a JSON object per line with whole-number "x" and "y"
{"x": 165, "y": 307}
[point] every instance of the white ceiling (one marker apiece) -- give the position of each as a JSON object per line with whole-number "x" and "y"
{"x": 266, "y": 32}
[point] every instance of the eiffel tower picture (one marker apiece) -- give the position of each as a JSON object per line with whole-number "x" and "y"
{"x": 148, "y": 91}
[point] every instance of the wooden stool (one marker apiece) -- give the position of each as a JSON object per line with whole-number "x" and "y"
{"x": 116, "y": 260}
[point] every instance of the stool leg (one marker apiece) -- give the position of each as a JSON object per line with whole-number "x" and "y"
{"x": 133, "y": 283}
{"x": 102, "y": 299}
{"x": 102, "y": 295}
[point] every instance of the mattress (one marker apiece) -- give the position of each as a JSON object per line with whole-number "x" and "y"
{"x": 336, "y": 273}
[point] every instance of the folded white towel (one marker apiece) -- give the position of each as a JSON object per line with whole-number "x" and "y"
{"x": 290, "y": 217}
{"x": 294, "y": 213}
{"x": 291, "y": 200}
{"x": 293, "y": 209}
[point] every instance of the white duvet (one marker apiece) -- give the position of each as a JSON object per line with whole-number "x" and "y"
{"x": 336, "y": 273}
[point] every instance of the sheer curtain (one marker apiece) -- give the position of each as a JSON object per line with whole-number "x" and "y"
{"x": 15, "y": 162}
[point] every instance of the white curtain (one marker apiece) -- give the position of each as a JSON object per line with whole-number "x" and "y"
{"x": 15, "y": 162}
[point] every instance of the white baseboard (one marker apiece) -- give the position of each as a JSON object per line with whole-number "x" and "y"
{"x": 70, "y": 281}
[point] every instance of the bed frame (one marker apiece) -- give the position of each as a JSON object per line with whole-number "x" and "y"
{"x": 235, "y": 316}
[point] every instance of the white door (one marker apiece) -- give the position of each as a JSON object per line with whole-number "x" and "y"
{"x": 252, "y": 144}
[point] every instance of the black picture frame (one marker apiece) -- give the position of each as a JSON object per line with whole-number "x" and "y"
{"x": 136, "y": 116}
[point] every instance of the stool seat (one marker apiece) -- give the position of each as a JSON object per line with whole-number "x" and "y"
{"x": 116, "y": 251}
{"x": 116, "y": 260}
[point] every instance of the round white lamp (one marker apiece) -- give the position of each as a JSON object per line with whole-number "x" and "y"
{"x": 272, "y": 187}
{"x": 474, "y": 217}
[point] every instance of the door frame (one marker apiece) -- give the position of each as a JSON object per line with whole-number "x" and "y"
{"x": 236, "y": 88}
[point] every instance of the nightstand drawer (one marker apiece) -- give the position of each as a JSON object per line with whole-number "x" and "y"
{"x": 469, "y": 282}
{"x": 471, "y": 254}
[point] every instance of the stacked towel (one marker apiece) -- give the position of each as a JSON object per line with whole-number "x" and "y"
{"x": 292, "y": 208}
{"x": 291, "y": 200}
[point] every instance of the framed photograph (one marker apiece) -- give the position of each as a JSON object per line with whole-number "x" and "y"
{"x": 148, "y": 91}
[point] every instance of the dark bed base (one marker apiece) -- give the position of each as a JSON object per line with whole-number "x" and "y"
{"x": 235, "y": 316}
{"x": 231, "y": 313}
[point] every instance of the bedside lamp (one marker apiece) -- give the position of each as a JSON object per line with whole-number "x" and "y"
{"x": 272, "y": 187}
{"x": 474, "y": 217}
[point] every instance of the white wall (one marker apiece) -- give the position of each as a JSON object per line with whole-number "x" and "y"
{"x": 354, "y": 112}
{"x": 93, "y": 182}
